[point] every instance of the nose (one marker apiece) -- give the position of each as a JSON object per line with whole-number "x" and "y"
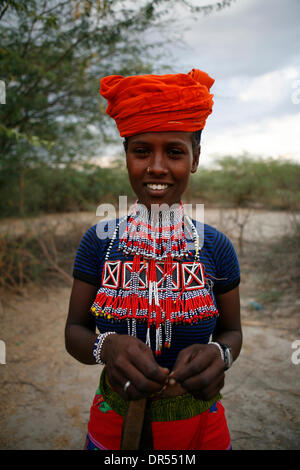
{"x": 158, "y": 164}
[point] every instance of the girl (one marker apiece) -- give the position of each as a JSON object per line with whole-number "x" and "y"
{"x": 168, "y": 314}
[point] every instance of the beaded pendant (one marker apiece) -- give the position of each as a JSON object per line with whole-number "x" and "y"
{"x": 159, "y": 286}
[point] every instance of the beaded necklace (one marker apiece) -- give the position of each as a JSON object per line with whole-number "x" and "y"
{"x": 150, "y": 282}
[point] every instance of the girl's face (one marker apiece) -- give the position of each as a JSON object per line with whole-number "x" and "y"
{"x": 159, "y": 165}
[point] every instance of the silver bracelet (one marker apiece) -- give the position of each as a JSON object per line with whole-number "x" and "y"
{"x": 98, "y": 346}
{"x": 220, "y": 349}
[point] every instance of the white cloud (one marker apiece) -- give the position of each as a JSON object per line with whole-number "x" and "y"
{"x": 271, "y": 137}
{"x": 271, "y": 87}
{"x": 252, "y": 51}
{"x": 251, "y": 37}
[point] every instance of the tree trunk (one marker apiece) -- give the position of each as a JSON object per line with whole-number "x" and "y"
{"x": 21, "y": 197}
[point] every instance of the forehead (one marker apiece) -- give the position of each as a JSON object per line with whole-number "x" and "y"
{"x": 162, "y": 138}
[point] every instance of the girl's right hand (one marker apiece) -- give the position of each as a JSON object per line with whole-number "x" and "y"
{"x": 128, "y": 358}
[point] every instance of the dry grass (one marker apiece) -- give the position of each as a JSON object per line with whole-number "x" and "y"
{"x": 40, "y": 253}
{"x": 270, "y": 277}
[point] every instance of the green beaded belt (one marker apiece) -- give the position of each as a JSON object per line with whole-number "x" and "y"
{"x": 162, "y": 409}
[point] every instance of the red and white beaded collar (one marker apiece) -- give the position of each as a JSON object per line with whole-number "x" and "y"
{"x": 157, "y": 286}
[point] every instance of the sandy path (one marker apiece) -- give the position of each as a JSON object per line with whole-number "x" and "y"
{"x": 258, "y": 224}
{"x": 45, "y": 394}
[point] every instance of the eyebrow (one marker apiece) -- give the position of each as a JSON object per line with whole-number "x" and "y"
{"x": 138, "y": 142}
{"x": 144, "y": 142}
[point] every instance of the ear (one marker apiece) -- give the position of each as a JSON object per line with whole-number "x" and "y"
{"x": 196, "y": 157}
{"x": 125, "y": 145}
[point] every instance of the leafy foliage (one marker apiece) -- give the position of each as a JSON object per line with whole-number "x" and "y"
{"x": 247, "y": 181}
{"x": 242, "y": 182}
{"x": 52, "y": 56}
{"x": 53, "y": 53}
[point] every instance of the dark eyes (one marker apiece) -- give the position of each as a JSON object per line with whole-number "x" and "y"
{"x": 176, "y": 151}
{"x": 172, "y": 152}
{"x": 141, "y": 150}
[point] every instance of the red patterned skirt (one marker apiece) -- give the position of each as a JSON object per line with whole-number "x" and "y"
{"x": 205, "y": 431}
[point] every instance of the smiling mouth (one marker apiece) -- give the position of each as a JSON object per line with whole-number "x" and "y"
{"x": 157, "y": 187}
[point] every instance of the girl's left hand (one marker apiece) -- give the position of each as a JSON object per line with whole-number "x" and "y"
{"x": 199, "y": 369}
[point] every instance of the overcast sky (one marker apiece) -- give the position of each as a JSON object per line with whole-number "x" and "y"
{"x": 252, "y": 50}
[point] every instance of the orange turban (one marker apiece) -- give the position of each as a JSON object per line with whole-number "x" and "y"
{"x": 157, "y": 103}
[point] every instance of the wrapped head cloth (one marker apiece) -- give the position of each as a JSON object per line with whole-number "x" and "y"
{"x": 158, "y": 103}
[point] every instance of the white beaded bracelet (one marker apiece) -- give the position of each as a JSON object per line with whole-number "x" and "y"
{"x": 98, "y": 346}
{"x": 221, "y": 350}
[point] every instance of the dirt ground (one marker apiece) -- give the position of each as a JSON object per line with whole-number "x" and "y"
{"x": 45, "y": 394}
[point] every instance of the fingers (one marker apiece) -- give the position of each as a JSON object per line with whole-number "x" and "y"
{"x": 140, "y": 385}
{"x": 145, "y": 363}
{"x": 200, "y": 371}
{"x": 133, "y": 360}
{"x": 133, "y": 351}
{"x": 195, "y": 359}
{"x": 190, "y": 362}
{"x": 206, "y": 385}
{"x": 198, "y": 368}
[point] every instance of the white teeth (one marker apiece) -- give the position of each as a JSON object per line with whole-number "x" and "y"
{"x": 157, "y": 186}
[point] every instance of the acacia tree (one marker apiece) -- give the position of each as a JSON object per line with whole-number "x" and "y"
{"x": 52, "y": 55}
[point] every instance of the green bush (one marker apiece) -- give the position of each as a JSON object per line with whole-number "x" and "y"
{"x": 234, "y": 182}
{"x": 250, "y": 182}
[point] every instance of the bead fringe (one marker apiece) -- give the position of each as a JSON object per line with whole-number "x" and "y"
{"x": 156, "y": 236}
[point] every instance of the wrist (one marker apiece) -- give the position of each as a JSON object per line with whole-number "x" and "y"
{"x": 218, "y": 346}
{"x": 225, "y": 352}
{"x": 100, "y": 347}
{"x": 107, "y": 347}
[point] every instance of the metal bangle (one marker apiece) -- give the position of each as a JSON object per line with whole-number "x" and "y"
{"x": 220, "y": 349}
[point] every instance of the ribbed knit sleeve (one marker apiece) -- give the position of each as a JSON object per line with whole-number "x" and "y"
{"x": 88, "y": 258}
{"x": 227, "y": 264}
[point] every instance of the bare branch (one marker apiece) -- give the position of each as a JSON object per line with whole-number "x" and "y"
{"x": 52, "y": 262}
{"x": 3, "y": 11}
